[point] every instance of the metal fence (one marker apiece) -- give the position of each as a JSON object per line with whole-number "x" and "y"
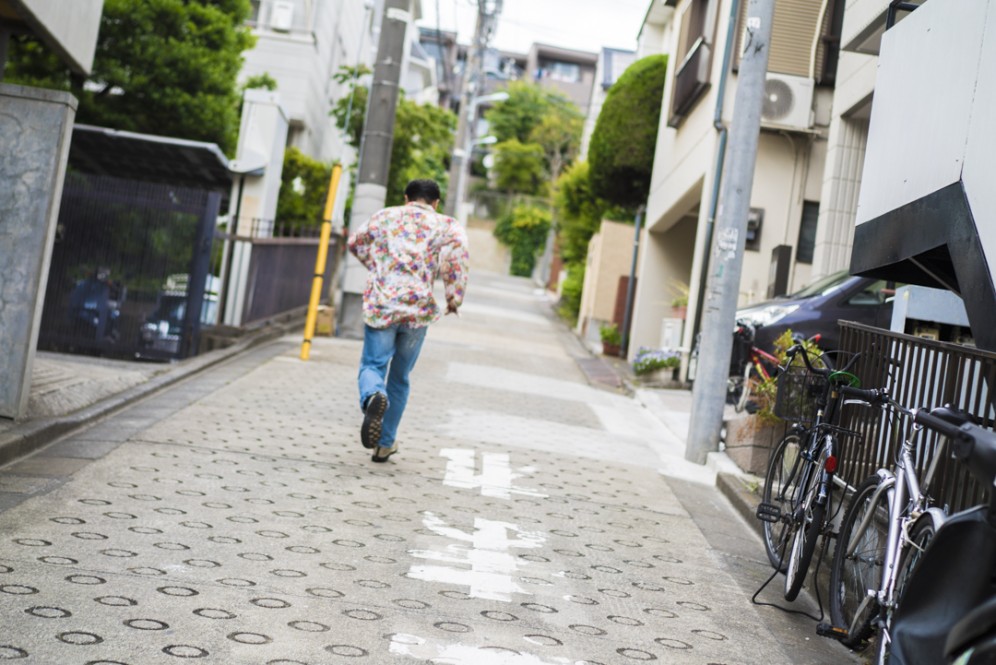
{"x": 919, "y": 373}
{"x": 129, "y": 267}
{"x": 278, "y": 264}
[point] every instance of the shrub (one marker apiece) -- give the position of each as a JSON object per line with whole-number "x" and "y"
{"x": 523, "y": 230}
{"x": 609, "y": 332}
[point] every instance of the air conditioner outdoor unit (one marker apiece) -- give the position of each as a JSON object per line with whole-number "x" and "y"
{"x": 282, "y": 15}
{"x": 788, "y": 102}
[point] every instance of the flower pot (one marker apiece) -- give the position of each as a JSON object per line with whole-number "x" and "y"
{"x": 679, "y": 312}
{"x": 749, "y": 440}
{"x": 611, "y": 349}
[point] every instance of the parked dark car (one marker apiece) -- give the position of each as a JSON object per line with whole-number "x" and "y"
{"x": 817, "y": 309}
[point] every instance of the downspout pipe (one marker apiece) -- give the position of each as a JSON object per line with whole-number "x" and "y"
{"x": 717, "y": 122}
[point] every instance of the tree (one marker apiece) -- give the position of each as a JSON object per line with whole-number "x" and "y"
{"x": 559, "y": 132}
{"x": 517, "y": 116}
{"x": 519, "y": 167}
{"x": 523, "y": 230}
{"x": 304, "y": 184}
{"x": 622, "y": 146}
{"x": 164, "y": 67}
{"x": 423, "y": 136}
{"x": 534, "y": 115}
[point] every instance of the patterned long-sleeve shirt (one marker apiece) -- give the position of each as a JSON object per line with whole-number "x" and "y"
{"x": 405, "y": 248}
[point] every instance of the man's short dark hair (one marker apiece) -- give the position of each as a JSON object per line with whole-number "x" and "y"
{"x": 423, "y": 190}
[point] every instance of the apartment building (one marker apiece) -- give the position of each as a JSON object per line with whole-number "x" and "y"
{"x": 611, "y": 64}
{"x": 702, "y": 39}
{"x": 302, "y": 44}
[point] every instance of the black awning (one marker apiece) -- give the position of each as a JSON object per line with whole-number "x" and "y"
{"x": 148, "y": 158}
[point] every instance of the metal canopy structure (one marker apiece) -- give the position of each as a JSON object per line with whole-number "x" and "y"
{"x": 149, "y": 158}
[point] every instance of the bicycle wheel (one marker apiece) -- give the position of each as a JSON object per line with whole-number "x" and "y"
{"x": 854, "y": 577}
{"x": 803, "y": 547}
{"x": 745, "y": 386}
{"x": 780, "y": 484}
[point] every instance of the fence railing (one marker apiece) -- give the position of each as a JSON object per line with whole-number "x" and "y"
{"x": 919, "y": 373}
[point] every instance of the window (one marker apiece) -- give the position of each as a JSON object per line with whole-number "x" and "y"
{"x": 807, "y": 232}
{"x": 567, "y": 72}
{"x": 691, "y": 79}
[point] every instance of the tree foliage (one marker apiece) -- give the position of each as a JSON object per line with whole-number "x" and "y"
{"x": 423, "y": 136}
{"x": 304, "y": 184}
{"x": 534, "y": 116}
{"x": 579, "y": 212}
{"x": 523, "y": 230}
{"x": 520, "y": 167}
{"x": 517, "y": 116}
{"x": 625, "y": 136}
{"x": 164, "y": 67}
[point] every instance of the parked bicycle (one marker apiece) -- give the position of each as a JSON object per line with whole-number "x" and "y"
{"x": 886, "y": 529}
{"x": 799, "y": 483}
{"x": 948, "y": 611}
{"x": 749, "y": 366}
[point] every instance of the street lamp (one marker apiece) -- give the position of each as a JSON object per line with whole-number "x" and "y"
{"x": 464, "y": 153}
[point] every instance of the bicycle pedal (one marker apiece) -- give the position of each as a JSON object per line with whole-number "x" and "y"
{"x": 769, "y": 512}
{"x": 829, "y": 630}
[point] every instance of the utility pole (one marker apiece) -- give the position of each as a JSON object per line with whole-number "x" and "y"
{"x": 473, "y": 78}
{"x": 726, "y": 261}
{"x": 375, "y": 154}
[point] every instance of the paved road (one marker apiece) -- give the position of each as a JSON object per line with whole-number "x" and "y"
{"x": 235, "y": 519}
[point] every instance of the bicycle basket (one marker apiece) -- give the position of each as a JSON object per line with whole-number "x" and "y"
{"x": 799, "y": 394}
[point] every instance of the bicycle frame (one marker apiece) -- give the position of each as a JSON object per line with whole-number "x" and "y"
{"x": 907, "y": 501}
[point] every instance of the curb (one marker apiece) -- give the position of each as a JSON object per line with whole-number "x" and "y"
{"x": 744, "y": 501}
{"x": 28, "y": 437}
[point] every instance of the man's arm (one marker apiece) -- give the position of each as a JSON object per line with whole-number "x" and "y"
{"x": 361, "y": 240}
{"x": 453, "y": 266}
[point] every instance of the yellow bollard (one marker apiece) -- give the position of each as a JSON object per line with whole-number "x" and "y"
{"x": 323, "y": 251}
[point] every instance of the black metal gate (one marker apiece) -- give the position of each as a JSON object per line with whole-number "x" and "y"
{"x": 129, "y": 268}
{"x": 919, "y": 373}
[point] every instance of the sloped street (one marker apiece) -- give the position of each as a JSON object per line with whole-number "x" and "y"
{"x": 235, "y": 518}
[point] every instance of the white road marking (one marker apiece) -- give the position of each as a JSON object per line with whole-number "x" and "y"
{"x": 496, "y": 478}
{"x": 403, "y": 644}
{"x": 481, "y": 560}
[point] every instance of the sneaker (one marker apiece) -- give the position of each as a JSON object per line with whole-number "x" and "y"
{"x": 383, "y": 452}
{"x": 372, "y": 420}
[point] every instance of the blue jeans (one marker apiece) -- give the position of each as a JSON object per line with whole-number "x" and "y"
{"x": 389, "y": 354}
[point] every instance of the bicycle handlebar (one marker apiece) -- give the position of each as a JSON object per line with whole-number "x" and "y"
{"x": 826, "y": 371}
{"x": 874, "y": 396}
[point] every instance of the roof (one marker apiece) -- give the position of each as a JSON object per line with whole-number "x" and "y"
{"x": 149, "y": 158}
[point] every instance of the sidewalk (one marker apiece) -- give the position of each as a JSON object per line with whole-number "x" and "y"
{"x": 69, "y": 391}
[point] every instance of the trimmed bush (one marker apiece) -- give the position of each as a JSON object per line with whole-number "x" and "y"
{"x": 621, "y": 153}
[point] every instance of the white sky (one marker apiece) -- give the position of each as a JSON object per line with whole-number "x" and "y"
{"x": 586, "y": 25}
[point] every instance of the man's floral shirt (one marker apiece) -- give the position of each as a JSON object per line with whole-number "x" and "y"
{"x": 405, "y": 248}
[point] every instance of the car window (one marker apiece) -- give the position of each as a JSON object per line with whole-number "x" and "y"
{"x": 821, "y": 286}
{"x": 872, "y": 295}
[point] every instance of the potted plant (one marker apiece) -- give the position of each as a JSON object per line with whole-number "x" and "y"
{"x": 655, "y": 365}
{"x": 611, "y": 339}
{"x": 679, "y": 304}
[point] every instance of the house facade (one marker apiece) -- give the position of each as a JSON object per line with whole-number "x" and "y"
{"x": 702, "y": 39}
{"x": 302, "y": 44}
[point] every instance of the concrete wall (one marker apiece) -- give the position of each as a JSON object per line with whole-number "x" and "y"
{"x": 610, "y": 256}
{"x": 35, "y": 130}
{"x": 68, "y": 28}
